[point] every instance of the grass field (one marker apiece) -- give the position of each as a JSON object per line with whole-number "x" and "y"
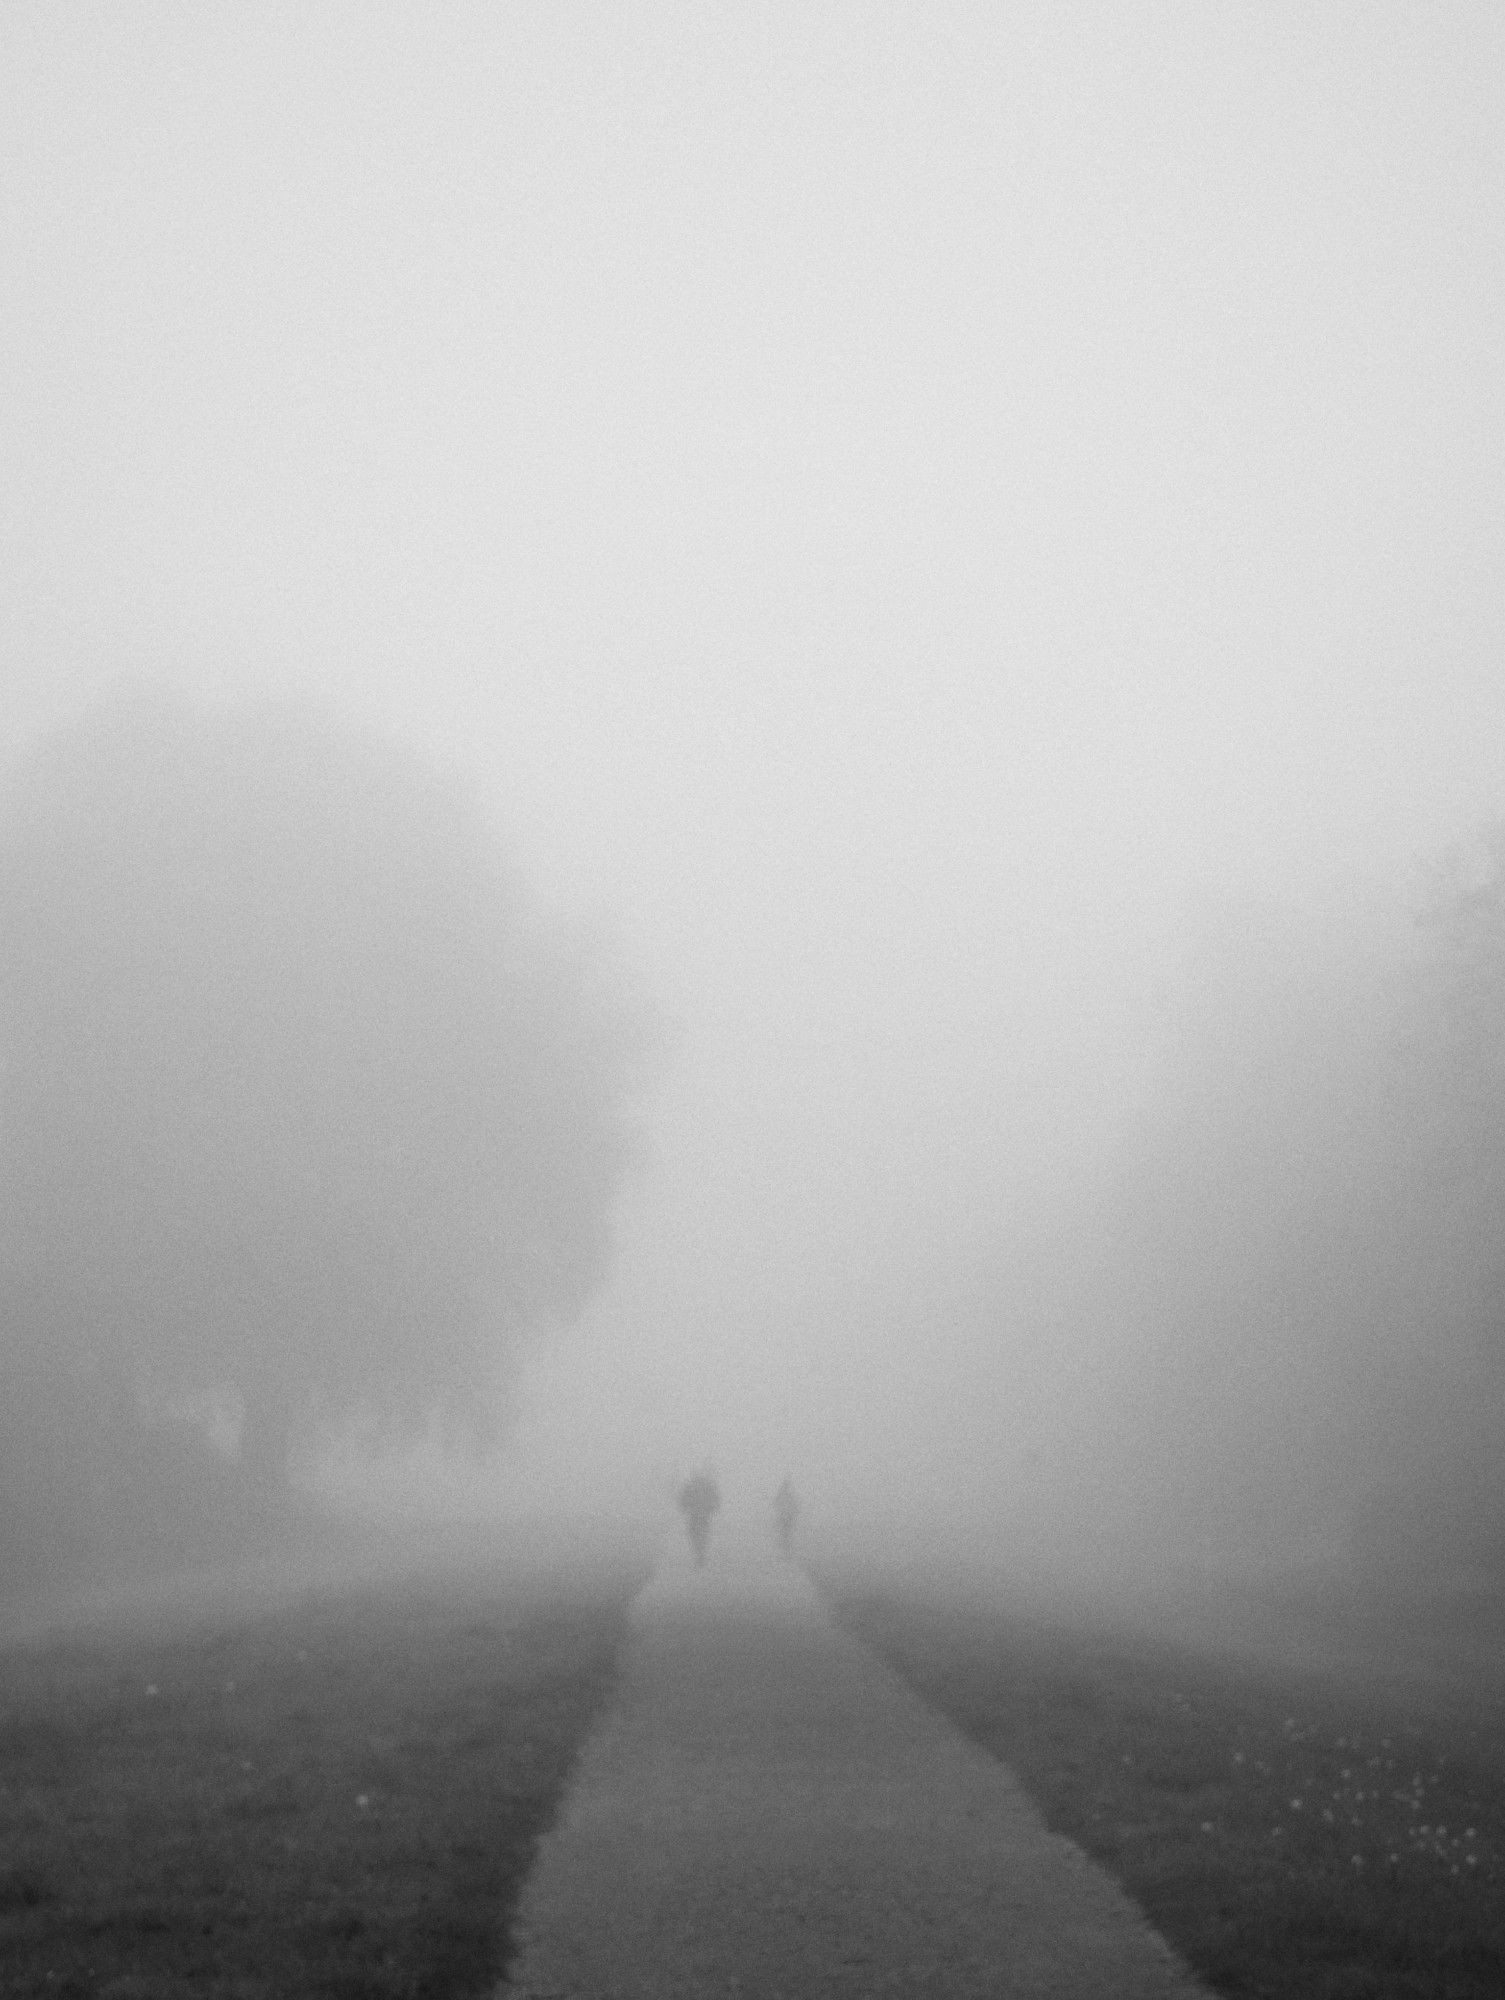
{"x": 1316, "y": 1831}
{"x": 336, "y": 1798}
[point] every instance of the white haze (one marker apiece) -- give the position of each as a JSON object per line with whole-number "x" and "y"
{"x": 902, "y": 506}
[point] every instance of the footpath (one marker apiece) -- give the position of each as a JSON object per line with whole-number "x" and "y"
{"x": 767, "y": 1810}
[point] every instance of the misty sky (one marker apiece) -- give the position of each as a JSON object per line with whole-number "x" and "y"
{"x": 895, "y": 502}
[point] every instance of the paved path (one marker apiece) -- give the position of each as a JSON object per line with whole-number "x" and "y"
{"x": 767, "y": 1810}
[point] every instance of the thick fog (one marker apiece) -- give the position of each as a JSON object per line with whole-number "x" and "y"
{"x": 960, "y": 547}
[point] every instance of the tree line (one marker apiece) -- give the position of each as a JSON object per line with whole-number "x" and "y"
{"x": 1280, "y": 1326}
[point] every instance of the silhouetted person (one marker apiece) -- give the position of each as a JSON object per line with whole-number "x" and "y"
{"x": 786, "y": 1514}
{"x": 699, "y": 1498}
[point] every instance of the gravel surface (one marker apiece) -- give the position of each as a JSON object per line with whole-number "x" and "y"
{"x": 767, "y": 1810}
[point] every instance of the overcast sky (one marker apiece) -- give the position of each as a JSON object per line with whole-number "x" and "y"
{"x": 895, "y": 501}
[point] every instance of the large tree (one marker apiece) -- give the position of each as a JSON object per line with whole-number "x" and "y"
{"x": 1283, "y": 1337}
{"x": 302, "y": 1106}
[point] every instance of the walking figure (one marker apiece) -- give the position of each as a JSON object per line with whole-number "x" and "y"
{"x": 699, "y": 1498}
{"x": 786, "y": 1514}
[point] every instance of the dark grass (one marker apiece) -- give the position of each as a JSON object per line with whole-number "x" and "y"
{"x": 1318, "y": 1833}
{"x": 338, "y": 1799}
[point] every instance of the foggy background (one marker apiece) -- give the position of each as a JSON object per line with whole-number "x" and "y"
{"x": 965, "y": 542}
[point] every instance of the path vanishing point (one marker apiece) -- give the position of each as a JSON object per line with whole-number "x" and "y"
{"x": 766, "y": 1810}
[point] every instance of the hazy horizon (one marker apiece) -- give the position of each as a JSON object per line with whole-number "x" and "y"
{"x": 901, "y": 510}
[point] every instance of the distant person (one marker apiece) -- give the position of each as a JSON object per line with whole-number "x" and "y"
{"x": 699, "y": 1498}
{"x": 786, "y": 1514}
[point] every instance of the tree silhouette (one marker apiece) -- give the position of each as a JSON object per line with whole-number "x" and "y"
{"x": 301, "y": 1105}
